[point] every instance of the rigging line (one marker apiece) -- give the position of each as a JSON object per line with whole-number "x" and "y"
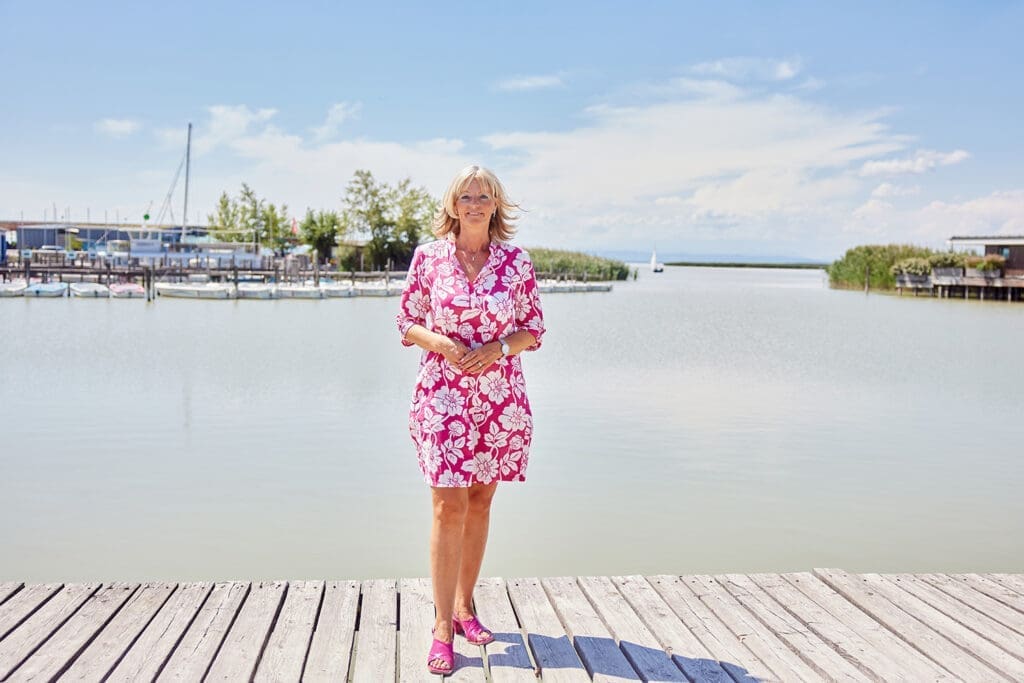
{"x": 167, "y": 200}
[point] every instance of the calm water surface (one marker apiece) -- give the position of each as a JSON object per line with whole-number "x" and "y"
{"x": 700, "y": 420}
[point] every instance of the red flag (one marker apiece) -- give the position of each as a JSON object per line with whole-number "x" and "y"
{"x": 295, "y": 226}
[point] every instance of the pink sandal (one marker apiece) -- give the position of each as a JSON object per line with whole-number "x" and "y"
{"x": 472, "y": 629}
{"x": 443, "y": 651}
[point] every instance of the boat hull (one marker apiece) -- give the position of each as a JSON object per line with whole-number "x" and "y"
{"x": 127, "y": 291}
{"x": 299, "y": 292}
{"x": 52, "y": 290}
{"x": 256, "y": 292}
{"x": 89, "y": 290}
{"x": 11, "y": 289}
{"x": 186, "y": 291}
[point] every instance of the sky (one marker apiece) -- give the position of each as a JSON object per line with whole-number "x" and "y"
{"x": 741, "y": 128}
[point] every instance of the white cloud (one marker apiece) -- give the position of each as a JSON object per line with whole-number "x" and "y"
{"x": 338, "y": 114}
{"x": 923, "y": 161}
{"x": 886, "y": 190}
{"x": 749, "y": 69}
{"x": 117, "y": 128}
{"x": 530, "y": 82}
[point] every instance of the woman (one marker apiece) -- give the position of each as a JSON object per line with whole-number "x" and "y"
{"x": 470, "y": 302}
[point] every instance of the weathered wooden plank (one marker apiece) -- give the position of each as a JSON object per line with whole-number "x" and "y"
{"x": 831, "y": 629}
{"x": 636, "y": 641}
{"x": 192, "y": 657}
{"x": 148, "y": 654}
{"x": 285, "y": 652}
{"x": 965, "y": 593}
{"x": 992, "y": 589}
{"x": 552, "y": 650}
{"x": 115, "y": 639}
{"x": 508, "y": 658}
{"x": 1014, "y": 582}
{"x": 819, "y": 654}
{"x": 596, "y": 646}
{"x": 242, "y": 648}
{"x": 760, "y": 640}
{"x": 416, "y": 611}
{"x": 733, "y": 654}
{"x": 911, "y": 663}
{"x": 37, "y": 628}
{"x": 376, "y": 646}
{"x": 672, "y": 635}
{"x": 970, "y": 613}
{"x": 955, "y": 610}
{"x": 917, "y": 633}
{"x": 21, "y": 605}
{"x": 9, "y": 588}
{"x": 56, "y": 654}
{"x": 330, "y": 651}
{"x": 469, "y": 661}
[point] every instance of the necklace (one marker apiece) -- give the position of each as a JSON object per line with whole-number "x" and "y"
{"x": 469, "y": 259}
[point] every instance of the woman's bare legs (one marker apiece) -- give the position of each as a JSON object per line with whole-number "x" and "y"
{"x": 458, "y": 537}
{"x": 474, "y": 542}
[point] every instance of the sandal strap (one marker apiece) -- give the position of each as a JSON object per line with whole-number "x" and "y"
{"x": 473, "y": 628}
{"x": 443, "y": 651}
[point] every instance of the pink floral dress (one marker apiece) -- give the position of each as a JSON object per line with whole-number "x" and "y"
{"x": 471, "y": 429}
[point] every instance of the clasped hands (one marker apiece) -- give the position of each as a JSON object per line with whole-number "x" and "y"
{"x": 470, "y": 361}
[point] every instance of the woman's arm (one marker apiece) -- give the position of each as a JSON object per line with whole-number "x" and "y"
{"x": 451, "y": 349}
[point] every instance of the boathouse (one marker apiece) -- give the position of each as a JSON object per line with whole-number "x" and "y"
{"x": 1010, "y": 247}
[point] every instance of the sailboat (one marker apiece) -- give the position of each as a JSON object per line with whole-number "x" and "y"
{"x": 655, "y": 266}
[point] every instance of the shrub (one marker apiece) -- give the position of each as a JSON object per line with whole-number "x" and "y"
{"x": 877, "y": 261}
{"x": 911, "y": 266}
{"x": 576, "y": 264}
{"x": 946, "y": 259}
{"x": 973, "y": 261}
{"x": 991, "y": 263}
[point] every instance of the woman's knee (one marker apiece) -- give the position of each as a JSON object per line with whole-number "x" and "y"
{"x": 480, "y": 498}
{"x": 451, "y": 506}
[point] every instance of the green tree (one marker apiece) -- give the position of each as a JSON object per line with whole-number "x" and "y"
{"x": 251, "y": 213}
{"x": 225, "y": 222}
{"x": 276, "y": 228}
{"x": 392, "y": 220}
{"x": 320, "y": 230}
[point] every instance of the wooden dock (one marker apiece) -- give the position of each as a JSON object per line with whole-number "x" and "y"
{"x": 825, "y": 625}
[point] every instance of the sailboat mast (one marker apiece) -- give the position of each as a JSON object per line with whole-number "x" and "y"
{"x": 188, "y": 160}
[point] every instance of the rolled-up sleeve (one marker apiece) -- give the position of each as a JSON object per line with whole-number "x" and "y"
{"x": 415, "y": 302}
{"x": 529, "y": 315}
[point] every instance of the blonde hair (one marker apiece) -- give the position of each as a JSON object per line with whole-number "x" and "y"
{"x": 501, "y": 227}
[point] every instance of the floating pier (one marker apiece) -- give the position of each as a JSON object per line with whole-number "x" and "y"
{"x": 822, "y": 625}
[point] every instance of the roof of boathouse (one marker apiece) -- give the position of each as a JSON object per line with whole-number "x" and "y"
{"x": 981, "y": 240}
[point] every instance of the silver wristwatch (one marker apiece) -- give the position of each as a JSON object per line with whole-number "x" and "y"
{"x": 505, "y": 350}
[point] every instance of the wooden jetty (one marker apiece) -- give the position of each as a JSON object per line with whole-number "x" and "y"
{"x": 814, "y": 626}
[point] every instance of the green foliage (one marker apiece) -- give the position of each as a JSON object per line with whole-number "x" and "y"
{"x": 320, "y": 230}
{"x": 392, "y": 220}
{"x": 577, "y": 264}
{"x": 875, "y": 260}
{"x": 911, "y": 266}
{"x": 947, "y": 259}
{"x": 248, "y": 218}
{"x": 991, "y": 263}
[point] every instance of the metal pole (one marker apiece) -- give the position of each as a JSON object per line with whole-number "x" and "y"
{"x": 188, "y": 161}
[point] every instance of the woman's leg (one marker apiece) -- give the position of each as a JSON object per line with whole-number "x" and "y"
{"x": 450, "y": 505}
{"x": 474, "y": 541}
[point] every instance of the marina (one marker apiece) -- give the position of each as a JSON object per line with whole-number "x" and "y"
{"x": 828, "y": 624}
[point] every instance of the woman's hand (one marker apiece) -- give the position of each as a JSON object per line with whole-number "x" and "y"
{"x": 479, "y": 360}
{"x": 453, "y": 351}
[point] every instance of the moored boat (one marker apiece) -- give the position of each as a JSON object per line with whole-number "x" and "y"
{"x": 50, "y": 290}
{"x": 299, "y": 292}
{"x": 256, "y": 290}
{"x": 127, "y": 290}
{"x": 337, "y": 290}
{"x": 92, "y": 290}
{"x": 186, "y": 290}
{"x": 16, "y": 288}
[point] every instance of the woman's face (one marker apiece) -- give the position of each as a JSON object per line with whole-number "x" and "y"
{"x": 474, "y": 206}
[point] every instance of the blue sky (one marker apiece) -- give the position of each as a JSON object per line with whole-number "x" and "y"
{"x": 794, "y": 129}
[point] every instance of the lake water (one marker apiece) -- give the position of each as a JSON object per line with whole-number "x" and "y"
{"x": 700, "y": 420}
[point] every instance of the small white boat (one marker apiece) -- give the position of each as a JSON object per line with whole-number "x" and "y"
{"x": 299, "y": 292}
{"x": 89, "y": 290}
{"x": 376, "y": 289}
{"x": 655, "y": 266}
{"x": 51, "y": 290}
{"x": 127, "y": 290}
{"x": 186, "y": 290}
{"x": 337, "y": 290}
{"x": 16, "y": 288}
{"x": 256, "y": 290}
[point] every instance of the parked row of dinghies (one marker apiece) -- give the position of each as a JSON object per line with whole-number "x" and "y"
{"x": 85, "y": 290}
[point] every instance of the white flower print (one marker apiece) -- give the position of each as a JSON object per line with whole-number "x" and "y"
{"x": 484, "y": 467}
{"x": 514, "y": 418}
{"x": 448, "y": 401}
{"x": 449, "y": 478}
{"x": 495, "y": 438}
{"x": 494, "y": 385}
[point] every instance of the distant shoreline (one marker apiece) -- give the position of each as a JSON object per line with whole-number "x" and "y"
{"x": 729, "y": 264}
